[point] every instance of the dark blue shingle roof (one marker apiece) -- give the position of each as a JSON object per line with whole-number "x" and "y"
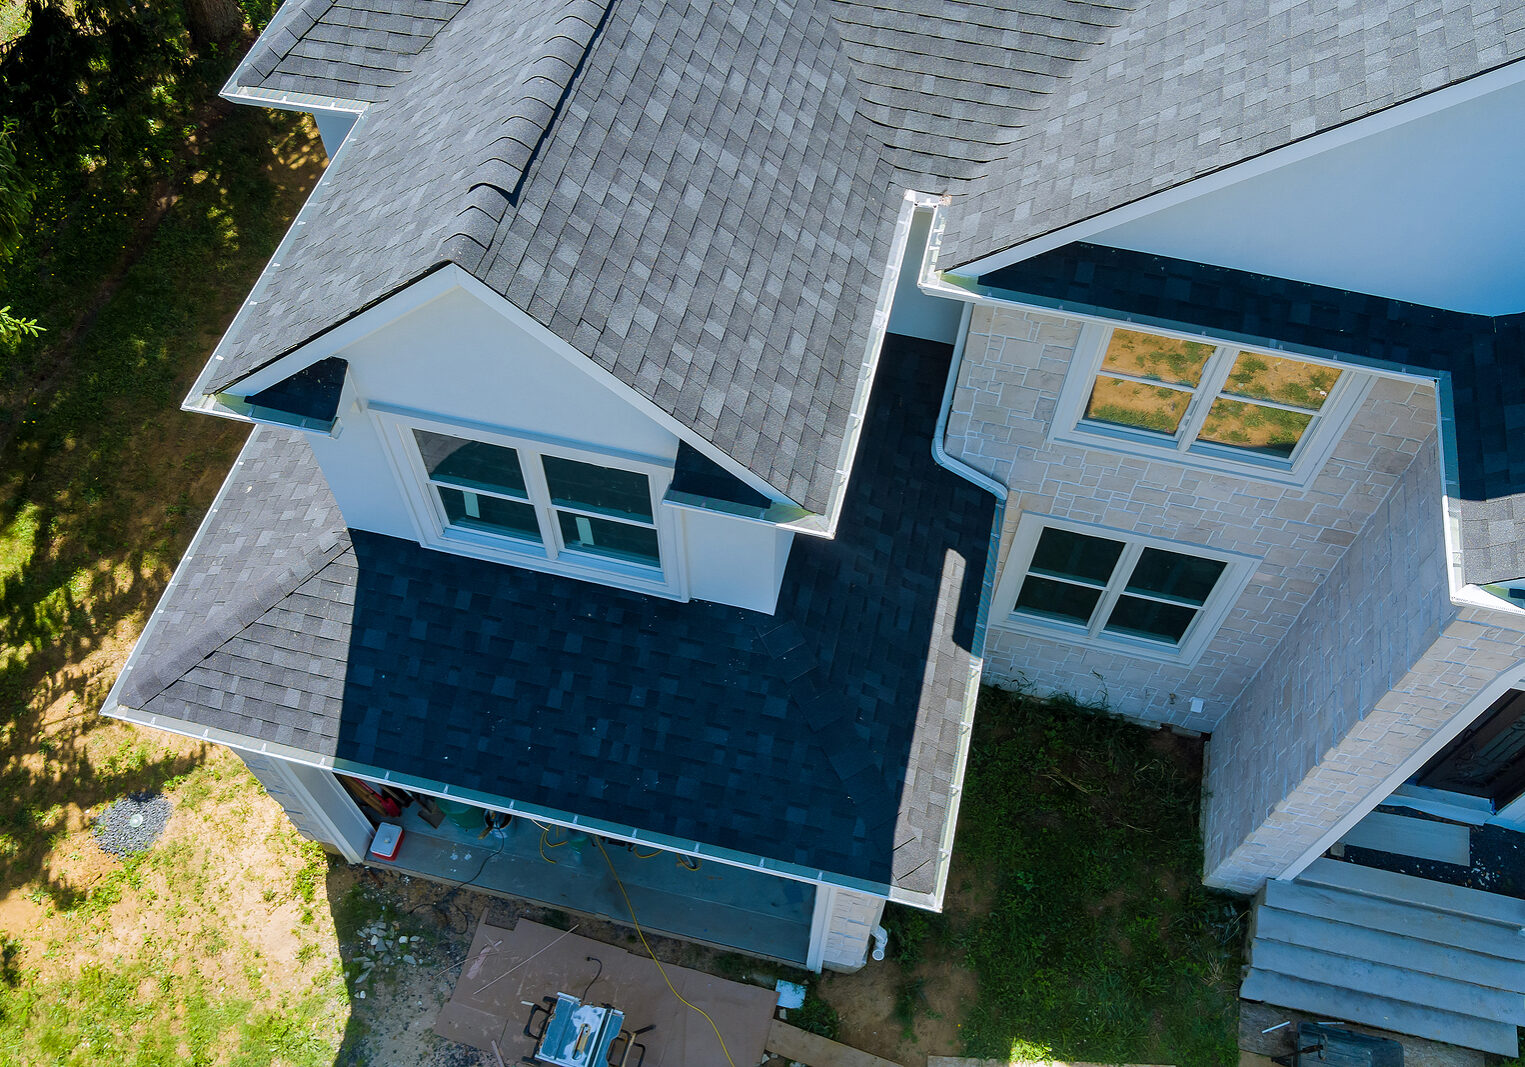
{"x": 825, "y": 735}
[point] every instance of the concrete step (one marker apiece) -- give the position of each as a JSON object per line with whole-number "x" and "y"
{"x": 1374, "y": 913}
{"x": 1384, "y": 980}
{"x": 1393, "y": 949}
{"x": 1404, "y": 888}
{"x": 1403, "y": 835}
{"x": 1332, "y": 1002}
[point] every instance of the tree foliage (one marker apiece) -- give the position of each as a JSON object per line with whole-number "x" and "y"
{"x": 214, "y": 21}
{"x": 16, "y": 193}
{"x": 88, "y": 76}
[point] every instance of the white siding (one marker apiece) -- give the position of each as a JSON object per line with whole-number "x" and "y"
{"x": 734, "y": 562}
{"x": 456, "y": 360}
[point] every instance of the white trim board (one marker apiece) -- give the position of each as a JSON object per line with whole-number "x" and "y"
{"x": 430, "y": 287}
{"x": 613, "y": 832}
{"x": 1423, "y": 839}
{"x": 1308, "y": 459}
{"x": 1512, "y": 678}
{"x": 1237, "y": 571}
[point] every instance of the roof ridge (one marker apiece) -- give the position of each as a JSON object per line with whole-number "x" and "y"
{"x": 222, "y": 626}
{"x": 543, "y": 89}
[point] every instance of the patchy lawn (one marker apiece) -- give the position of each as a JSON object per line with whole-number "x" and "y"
{"x": 1076, "y": 926}
{"x": 206, "y": 949}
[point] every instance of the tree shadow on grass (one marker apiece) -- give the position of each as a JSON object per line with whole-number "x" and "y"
{"x": 102, "y": 486}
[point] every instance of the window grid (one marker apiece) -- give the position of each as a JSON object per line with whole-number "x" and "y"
{"x": 1210, "y": 388}
{"x": 1110, "y": 589}
{"x": 551, "y": 541}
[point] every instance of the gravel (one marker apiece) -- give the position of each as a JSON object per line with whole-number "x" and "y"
{"x": 132, "y": 824}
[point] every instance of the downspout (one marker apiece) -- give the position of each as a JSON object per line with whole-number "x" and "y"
{"x": 939, "y": 452}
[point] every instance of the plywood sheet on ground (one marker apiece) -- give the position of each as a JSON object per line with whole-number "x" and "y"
{"x": 509, "y": 971}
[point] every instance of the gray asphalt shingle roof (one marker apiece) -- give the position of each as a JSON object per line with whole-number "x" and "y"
{"x": 351, "y": 50}
{"x": 825, "y": 735}
{"x": 709, "y": 211}
{"x": 702, "y": 221}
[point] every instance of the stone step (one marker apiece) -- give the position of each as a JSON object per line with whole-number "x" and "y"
{"x": 1389, "y": 982}
{"x": 1374, "y": 913}
{"x": 1406, "y": 889}
{"x": 1332, "y": 1002}
{"x": 1403, "y": 835}
{"x": 1394, "y": 949}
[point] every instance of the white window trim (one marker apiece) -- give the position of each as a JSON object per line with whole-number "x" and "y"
{"x": 1237, "y": 572}
{"x": 396, "y": 425}
{"x": 1310, "y": 456}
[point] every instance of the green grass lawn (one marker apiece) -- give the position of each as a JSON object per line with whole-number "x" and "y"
{"x": 1075, "y": 896}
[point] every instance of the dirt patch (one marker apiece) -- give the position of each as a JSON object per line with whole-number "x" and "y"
{"x": 867, "y": 1001}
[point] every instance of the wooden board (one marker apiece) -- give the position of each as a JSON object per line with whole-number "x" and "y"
{"x": 1423, "y": 839}
{"x": 792, "y": 1043}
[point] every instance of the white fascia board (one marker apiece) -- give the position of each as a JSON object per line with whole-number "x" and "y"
{"x": 201, "y": 397}
{"x": 1513, "y": 678}
{"x": 825, "y": 525}
{"x": 445, "y": 279}
{"x": 563, "y": 348}
{"x": 1461, "y": 593}
{"x": 611, "y": 831}
{"x": 290, "y": 100}
{"x": 1429, "y": 103}
{"x": 422, "y": 290}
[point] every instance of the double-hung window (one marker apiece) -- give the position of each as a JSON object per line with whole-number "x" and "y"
{"x": 548, "y": 507}
{"x": 1206, "y": 403}
{"x": 1142, "y": 595}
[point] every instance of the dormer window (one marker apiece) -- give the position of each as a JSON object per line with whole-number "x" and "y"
{"x": 1204, "y": 403}
{"x": 541, "y": 504}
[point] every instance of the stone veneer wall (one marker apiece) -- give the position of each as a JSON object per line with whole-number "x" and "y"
{"x": 1315, "y": 730}
{"x": 1014, "y": 364}
{"x": 1253, "y": 835}
{"x": 850, "y": 928}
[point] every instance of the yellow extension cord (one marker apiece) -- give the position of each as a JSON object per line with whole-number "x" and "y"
{"x": 662, "y": 970}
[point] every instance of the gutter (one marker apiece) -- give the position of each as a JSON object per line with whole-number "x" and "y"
{"x": 952, "y": 286}
{"x": 939, "y": 450}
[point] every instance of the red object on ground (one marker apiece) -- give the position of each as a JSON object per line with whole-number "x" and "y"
{"x": 387, "y": 842}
